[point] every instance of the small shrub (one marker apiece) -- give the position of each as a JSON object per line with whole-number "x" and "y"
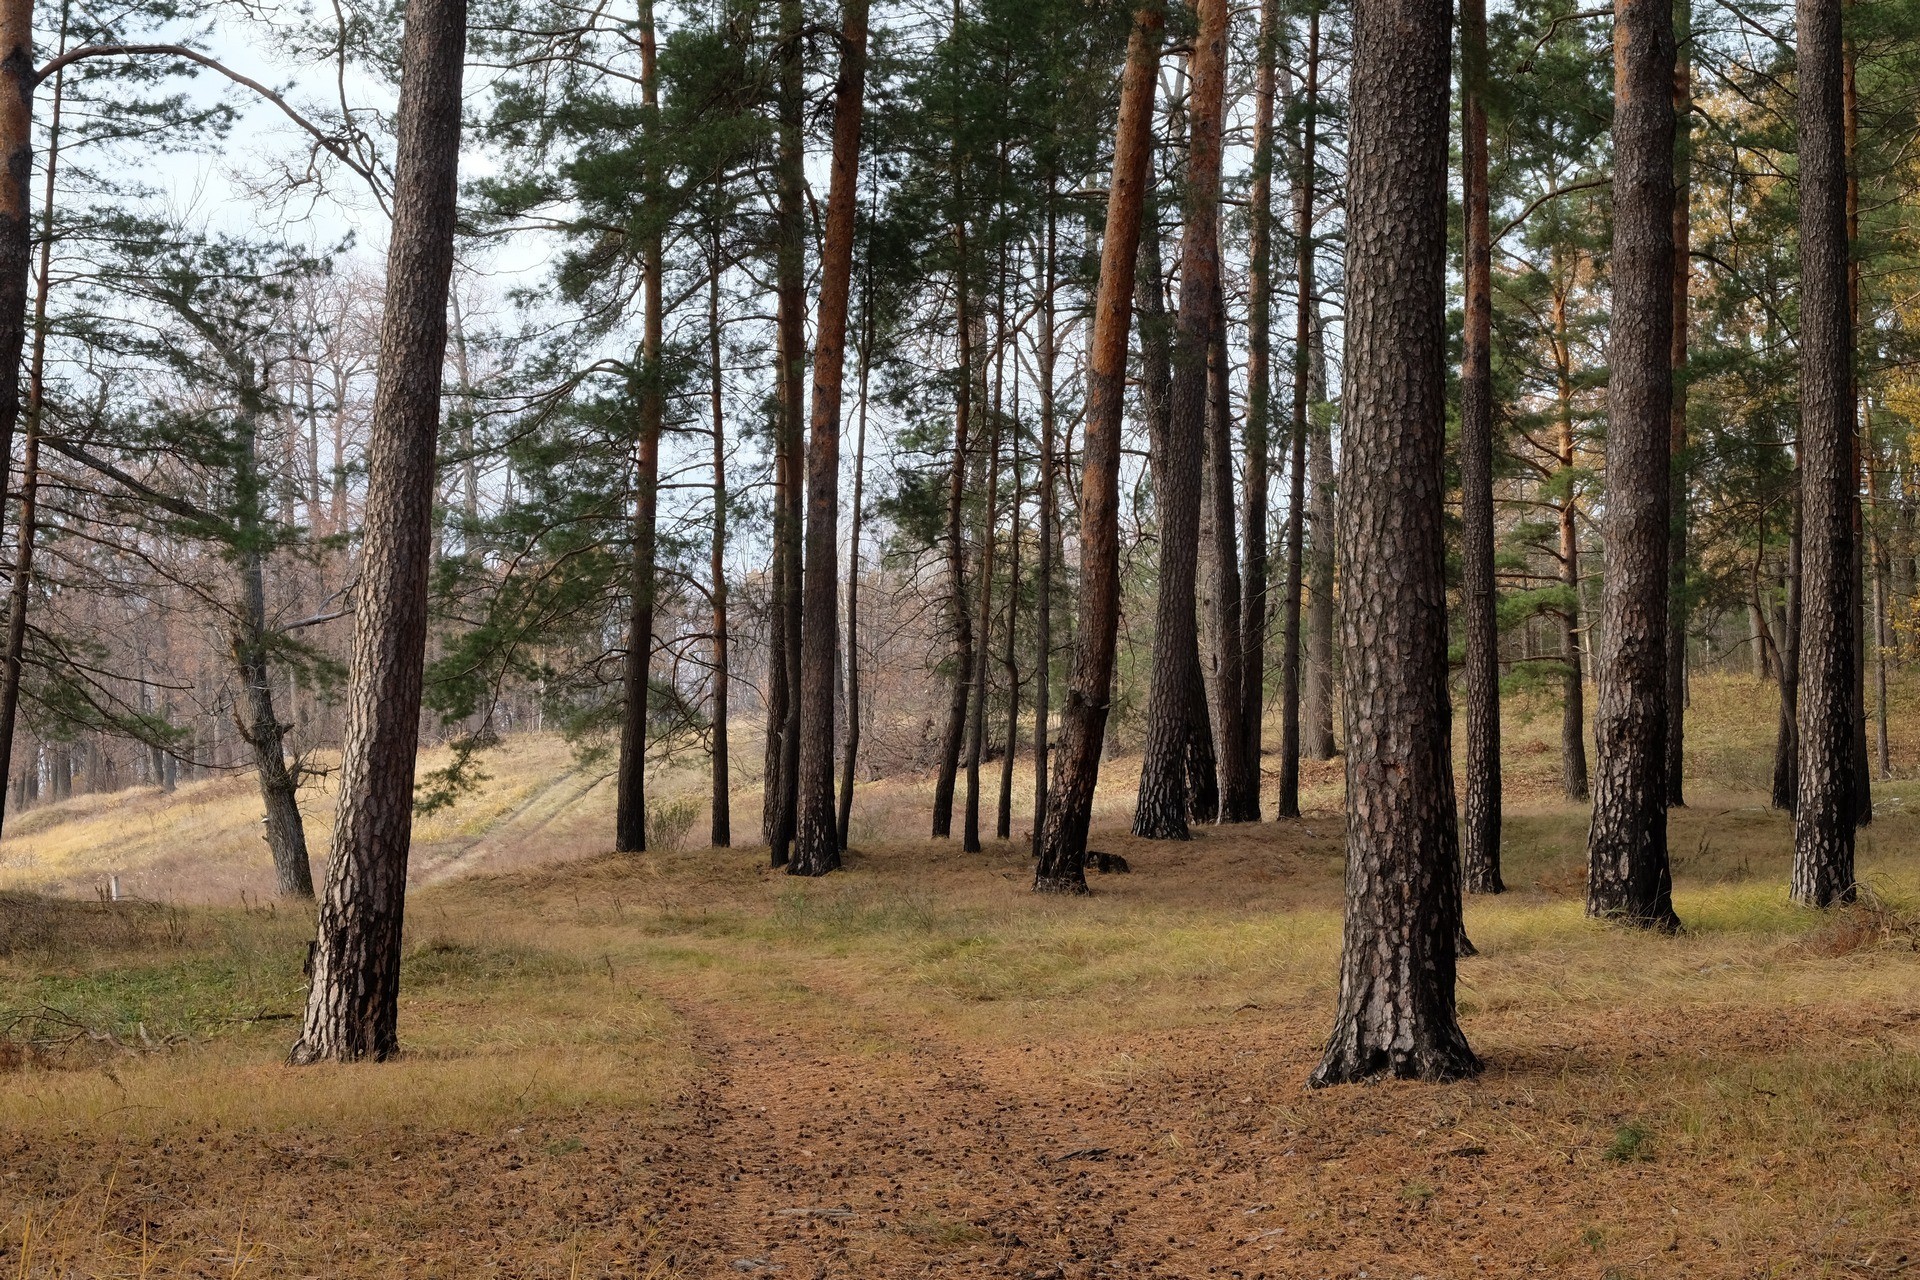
{"x": 1631, "y": 1142}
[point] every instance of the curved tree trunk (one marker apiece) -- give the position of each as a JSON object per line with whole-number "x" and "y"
{"x": 816, "y": 845}
{"x": 1481, "y": 827}
{"x": 1396, "y": 1011}
{"x": 1628, "y": 878}
{"x": 1162, "y": 808}
{"x": 1063, "y": 840}
{"x": 1823, "y": 828}
{"x": 353, "y": 1005}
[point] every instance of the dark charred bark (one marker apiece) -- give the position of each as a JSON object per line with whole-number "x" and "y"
{"x": 1063, "y": 840}
{"x": 1628, "y": 877}
{"x": 1396, "y": 1012}
{"x": 352, "y": 1006}
{"x": 1823, "y": 829}
{"x": 630, "y": 810}
{"x": 1303, "y": 212}
{"x": 1161, "y": 811}
{"x": 1481, "y": 828}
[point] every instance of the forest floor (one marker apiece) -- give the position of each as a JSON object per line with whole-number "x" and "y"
{"x": 685, "y": 1065}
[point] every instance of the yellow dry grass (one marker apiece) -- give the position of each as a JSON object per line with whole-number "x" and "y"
{"x": 663, "y": 1065}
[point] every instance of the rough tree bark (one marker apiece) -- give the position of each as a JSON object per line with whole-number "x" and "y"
{"x": 782, "y": 762}
{"x": 1238, "y": 774}
{"x": 816, "y": 845}
{"x": 16, "y": 140}
{"x": 1628, "y": 877}
{"x": 1480, "y": 862}
{"x": 353, "y": 1004}
{"x": 1258, "y": 435}
{"x": 1786, "y": 742}
{"x": 1396, "y": 1013}
{"x": 958, "y": 617}
{"x": 721, "y": 829}
{"x": 630, "y": 809}
{"x": 1303, "y": 212}
{"x": 851, "y": 751}
{"x": 1677, "y": 603}
{"x": 1049, "y": 517}
{"x": 1161, "y": 810}
{"x": 1823, "y": 827}
{"x": 1063, "y": 840}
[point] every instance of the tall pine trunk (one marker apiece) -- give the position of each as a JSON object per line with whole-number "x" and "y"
{"x": 1061, "y": 867}
{"x": 1049, "y": 518}
{"x": 1162, "y": 809}
{"x": 1303, "y": 213}
{"x": 851, "y": 751}
{"x": 1573, "y": 692}
{"x": 721, "y": 826}
{"x": 1238, "y": 774}
{"x": 353, "y": 1004}
{"x": 1677, "y": 602}
{"x": 1823, "y": 828}
{"x": 1786, "y": 742}
{"x": 1258, "y": 432}
{"x": 816, "y": 845}
{"x": 1628, "y": 877}
{"x": 782, "y": 761}
{"x": 957, "y": 616}
{"x": 630, "y": 811}
{"x": 1481, "y": 825}
{"x": 1396, "y": 1013}
{"x": 1316, "y": 701}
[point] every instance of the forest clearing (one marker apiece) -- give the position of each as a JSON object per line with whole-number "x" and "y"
{"x": 683, "y": 1064}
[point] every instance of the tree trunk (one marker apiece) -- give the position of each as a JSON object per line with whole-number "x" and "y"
{"x": 1396, "y": 1012}
{"x": 721, "y": 829}
{"x": 1063, "y": 840}
{"x": 1885, "y": 767}
{"x": 16, "y": 137}
{"x": 959, "y": 618}
{"x": 1823, "y": 828}
{"x": 1627, "y": 873}
{"x": 1862, "y": 768}
{"x": 790, "y": 303}
{"x": 258, "y": 725}
{"x": 816, "y": 847}
{"x": 1786, "y": 744}
{"x": 1049, "y": 519}
{"x": 630, "y": 813}
{"x": 1258, "y": 438}
{"x": 1303, "y": 212}
{"x": 1010, "y": 663}
{"x": 1481, "y": 828}
{"x": 352, "y": 1007}
{"x": 1316, "y": 708}
{"x": 1161, "y": 811}
{"x": 1238, "y": 774}
{"x": 983, "y": 642}
{"x": 1573, "y": 693}
{"x": 1677, "y": 593}
{"x": 852, "y": 748}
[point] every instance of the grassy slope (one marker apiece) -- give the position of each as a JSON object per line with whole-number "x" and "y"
{"x": 600, "y": 1053}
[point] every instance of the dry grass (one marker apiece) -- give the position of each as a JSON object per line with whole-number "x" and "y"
{"x": 673, "y": 1064}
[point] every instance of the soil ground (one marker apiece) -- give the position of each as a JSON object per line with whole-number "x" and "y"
{"x": 686, "y": 1065}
